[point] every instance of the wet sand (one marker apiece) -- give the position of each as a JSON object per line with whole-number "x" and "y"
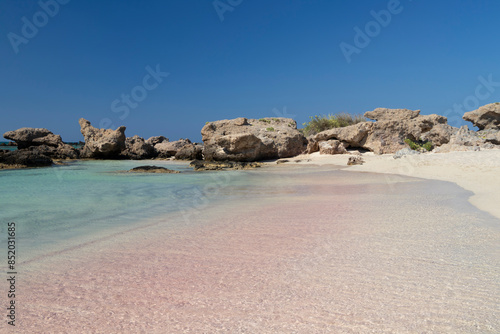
{"x": 324, "y": 252}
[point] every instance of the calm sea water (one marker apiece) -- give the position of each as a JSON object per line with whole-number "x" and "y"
{"x": 60, "y": 206}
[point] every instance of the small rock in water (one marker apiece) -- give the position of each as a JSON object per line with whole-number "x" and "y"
{"x": 223, "y": 165}
{"x": 282, "y": 161}
{"x": 356, "y": 160}
{"x": 152, "y": 169}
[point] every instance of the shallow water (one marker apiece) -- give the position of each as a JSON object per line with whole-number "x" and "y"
{"x": 277, "y": 250}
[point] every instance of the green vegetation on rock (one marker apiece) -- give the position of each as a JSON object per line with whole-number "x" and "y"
{"x": 420, "y": 146}
{"x": 322, "y": 122}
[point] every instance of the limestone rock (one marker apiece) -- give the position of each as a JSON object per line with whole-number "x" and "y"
{"x": 44, "y": 141}
{"x": 137, "y": 148}
{"x": 156, "y": 140}
{"x": 332, "y": 147}
{"x": 252, "y": 139}
{"x": 486, "y": 117}
{"x": 355, "y": 160}
{"x": 388, "y": 133}
{"x": 23, "y": 158}
{"x": 168, "y": 149}
{"x": 101, "y": 143}
{"x": 385, "y": 114}
{"x": 24, "y": 137}
{"x": 190, "y": 152}
{"x": 404, "y": 152}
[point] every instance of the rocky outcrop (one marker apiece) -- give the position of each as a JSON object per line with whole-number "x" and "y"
{"x": 136, "y": 148}
{"x": 156, "y": 140}
{"x": 332, "y": 147}
{"x": 168, "y": 149}
{"x": 28, "y": 157}
{"x": 201, "y": 165}
{"x": 385, "y": 114}
{"x": 404, "y": 152}
{"x": 43, "y": 142}
{"x": 101, "y": 143}
{"x": 244, "y": 139}
{"x": 388, "y": 133}
{"x": 152, "y": 169}
{"x": 190, "y": 152}
{"x": 486, "y": 117}
{"x": 467, "y": 140}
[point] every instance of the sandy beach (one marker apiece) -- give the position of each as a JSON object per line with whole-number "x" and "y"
{"x": 474, "y": 171}
{"x": 317, "y": 250}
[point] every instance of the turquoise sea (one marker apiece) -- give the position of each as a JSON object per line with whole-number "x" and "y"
{"x": 62, "y": 206}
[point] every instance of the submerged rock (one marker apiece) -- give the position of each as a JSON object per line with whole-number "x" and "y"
{"x": 244, "y": 139}
{"x": 199, "y": 165}
{"x": 153, "y": 169}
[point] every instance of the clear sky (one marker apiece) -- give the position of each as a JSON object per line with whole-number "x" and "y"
{"x": 167, "y": 67}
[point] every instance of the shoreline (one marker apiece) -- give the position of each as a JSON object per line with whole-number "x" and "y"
{"x": 476, "y": 171}
{"x": 341, "y": 253}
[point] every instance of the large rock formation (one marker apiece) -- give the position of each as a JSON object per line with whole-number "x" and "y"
{"x": 388, "y": 133}
{"x": 28, "y": 157}
{"x": 43, "y": 142}
{"x": 137, "y": 148}
{"x": 190, "y": 152}
{"x": 244, "y": 139}
{"x": 467, "y": 140}
{"x": 486, "y": 117}
{"x": 167, "y": 149}
{"x": 101, "y": 143}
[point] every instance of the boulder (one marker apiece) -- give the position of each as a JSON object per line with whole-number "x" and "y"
{"x": 486, "y": 117}
{"x": 156, "y": 140}
{"x": 101, "y": 143}
{"x": 244, "y": 139}
{"x": 388, "y": 133}
{"x": 137, "y": 148}
{"x": 332, "y": 147}
{"x": 385, "y": 114}
{"x": 46, "y": 142}
{"x": 168, "y": 149}
{"x": 24, "y": 137}
{"x": 23, "y": 158}
{"x": 355, "y": 160}
{"x": 190, "y": 152}
{"x": 404, "y": 152}
{"x": 467, "y": 140}
{"x": 200, "y": 165}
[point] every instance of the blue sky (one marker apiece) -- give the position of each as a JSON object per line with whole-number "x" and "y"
{"x": 232, "y": 58}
